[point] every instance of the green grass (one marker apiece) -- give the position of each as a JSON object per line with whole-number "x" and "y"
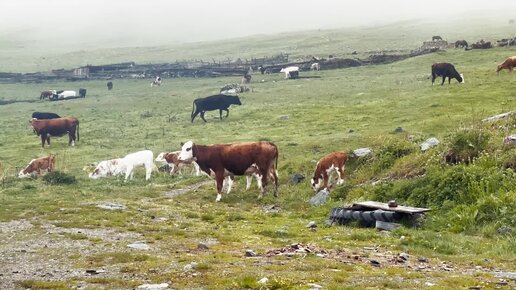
{"x": 372, "y": 101}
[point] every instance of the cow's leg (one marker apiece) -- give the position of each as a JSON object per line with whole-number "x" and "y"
{"x": 264, "y": 184}
{"x": 274, "y": 177}
{"x": 197, "y": 169}
{"x": 227, "y": 112}
{"x": 229, "y": 182}
{"x": 148, "y": 171}
{"x": 219, "y": 178}
{"x": 48, "y": 140}
{"x": 195, "y": 115}
{"x": 129, "y": 172}
{"x": 444, "y": 78}
{"x": 326, "y": 178}
{"x": 433, "y": 78}
{"x": 172, "y": 168}
{"x": 340, "y": 174}
{"x": 220, "y": 114}
{"x": 249, "y": 180}
{"x": 202, "y": 116}
{"x": 43, "y": 139}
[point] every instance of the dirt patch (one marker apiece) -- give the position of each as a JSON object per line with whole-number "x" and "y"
{"x": 15, "y": 226}
{"x": 176, "y": 192}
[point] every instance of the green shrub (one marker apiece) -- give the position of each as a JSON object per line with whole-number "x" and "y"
{"x": 58, "y": 177}
{"x": 467, "y": 144}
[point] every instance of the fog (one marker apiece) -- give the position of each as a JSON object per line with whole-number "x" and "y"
{"x": 154, "y": 22}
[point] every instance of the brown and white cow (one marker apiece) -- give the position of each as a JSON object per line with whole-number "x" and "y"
{"x": 234, "y": 160}
{"x": 508, "y": 64}
{"x": 37, "y": 166}
{"x": 56, "y": 127}
{"x": 335, "y": 161}
{"x": 171, "y": 158}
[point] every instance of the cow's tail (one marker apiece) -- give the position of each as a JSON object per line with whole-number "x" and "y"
{"x": 193, "y": 110}
{"x": 77, "y": 130}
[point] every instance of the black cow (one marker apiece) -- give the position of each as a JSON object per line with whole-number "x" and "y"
{"x": 110, "y": 86}
{"x": 215, "y": 102}
{"x": 43, "y": 115}
{"x": 445, "y": 70}
{"x": 461, "y": 44}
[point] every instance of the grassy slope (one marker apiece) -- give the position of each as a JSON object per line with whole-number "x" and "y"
{"x": 370, "y": 100}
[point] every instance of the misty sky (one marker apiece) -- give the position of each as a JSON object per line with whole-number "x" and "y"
{"x": 196, "y": 20}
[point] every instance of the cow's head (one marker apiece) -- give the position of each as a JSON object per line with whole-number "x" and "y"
{"x": 461, "y": 79}
{"x": 27, "y": 171}
{"x": 315, "y": 182}
{"x": 103, "y": 169}
{"x": 186, "y": 152}
{"x": 236, "y": 100}
{"x": 161, "y": 157}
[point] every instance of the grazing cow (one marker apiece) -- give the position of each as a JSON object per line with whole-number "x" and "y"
{"x": 461, "y": 44}
{"x": 105, "y": 168}
{"x": 290, "y": 72}
{"x": 436, "y": 37}
{"x": 110, "y": 86}
{"x": 446, "y": 70}
{"x": 65, "y": 94}
{"x": 57, "y": 128}
{"x": 335, "y": 161}
{"x": 82, "y": 93}
{"x": 42, "y": 115}
{"x": 47, "y": 94}
{"x": 156, "y": 82}
{"x": 215, "y": 102}
{"x": 36, "y": 166}
{"x": 315, "y": 66}
{"x": 507, "y": 64}
{"x": 171, "y": 158}
{"x": 246, "y": 79}
{"x": 126, "y": 165}
{"x": 235, "y": 159}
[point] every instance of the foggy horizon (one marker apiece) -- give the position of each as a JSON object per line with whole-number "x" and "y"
{"x": 157, "y": 22}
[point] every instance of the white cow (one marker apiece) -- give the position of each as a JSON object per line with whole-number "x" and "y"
{"x": 126, "y": 165}
{"x": 315, "y": 66}
{"x": 66, "y": 94}
{"x": 156, "y": 82}
{"x": 175, "y": 164}
{"x": 288, "y": 70}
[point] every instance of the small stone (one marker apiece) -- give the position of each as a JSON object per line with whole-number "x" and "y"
{"x": 320, "y": 198}
{"x": 264, "y": 280}
{"x": 504, "y": 230}
{"x": 297, "y": 178}
{"x": 283, "y": 117}
{"x": 404, "y": 256}
{"x": 139, "y": 246}
{"x": 428, "y": 284}
{"x": 153, "y": 286}
{"x": 112, "y": 206}
{"x": 95, "y": 272}
{"x": 398, "y": 130}
{"x": 311, "y": 225}
{"x": 314, "y": 286}
{"x": 202, "y": 246}
{"x": 250, "y": 253}
{"x": 375, "y": 263}
{"x": 475, "y": 287}
{"x": 422, "y": 259}
{"x": 351, "y": 131}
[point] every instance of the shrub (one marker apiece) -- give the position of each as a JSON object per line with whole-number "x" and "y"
{"x": 58, "y": 177}
{"x": 466, "y": 145}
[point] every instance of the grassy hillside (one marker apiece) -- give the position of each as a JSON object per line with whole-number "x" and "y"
{"x": 332, "y": 110}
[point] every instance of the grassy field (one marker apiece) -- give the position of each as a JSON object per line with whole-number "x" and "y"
{"x": 53, "y": 234}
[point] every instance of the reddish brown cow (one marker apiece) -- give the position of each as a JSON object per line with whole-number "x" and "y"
{"x": 508, "y": 64}
{"x": 235, "y": 159}
{"x": 171, "y": 158}
{"x": 56, "y": 127}
{"x": 47, "y": 94}
{"x": 36, "y": 166}
{"x": 335, "y": 161}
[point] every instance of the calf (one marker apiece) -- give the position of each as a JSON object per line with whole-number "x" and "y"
{"x": 56, "y": 127}
{"x": 36, "y": 166}
{"x": 224, "y": 160}
{"x": 171, "y": 158}
{"x": 291, "y": 72}
{"x": 215, "y": 102}
{"x": 43, "y": 115}
{"x": 105, "y": 168}
{"x": 335, "y": 161}
{"x": 126, "y": 165}
{"x": 446, "y": 70}
{"x": 508, "y": 64}
{"x": 47, "y": 94}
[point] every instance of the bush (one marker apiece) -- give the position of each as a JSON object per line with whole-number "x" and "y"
{"x": 466, "y": 145}
{"x": 58, "y": 177}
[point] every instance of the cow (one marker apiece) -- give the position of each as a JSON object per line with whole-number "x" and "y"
{"x": 110, "y": 86}
{"x": 171, "y": 158}
{"x": 82, "y": 93}
{"x": 290, "y": 72}
{"x": 315, "y": 66}
{"x": 125, "y": 165}
{"x": 107, "y": 168}
{"x": 216, "y": 102}
{"x": 235, "y": 159}
{"x": 246, "y": 79}
{"x": 333, "y": 162}
{"x": 57, "y": 128}
{"x": 156, "y": 82}
{"x": 446, "y": 70}
{"x": 64, "y": 94}
{"x": 36, "y": 166}
{"x": 47, "y": 94}
{"x": 43, "y": 115}
{"x": 461, "y": 44}
{"x": 507, "y": 64}
{"x": 436, "y": 37}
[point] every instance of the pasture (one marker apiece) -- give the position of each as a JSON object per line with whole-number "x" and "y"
{"x": 55, "y": 235}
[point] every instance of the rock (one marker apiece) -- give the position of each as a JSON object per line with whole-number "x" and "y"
{"x": 429, "y": 143}
{"x": 264, "y": 280}
{"x": 475, "y": 287}
{"x": 283, "y": 117}
{"x": 202, "y": 246}
{"x": 504, "y": 230}
{"x": 510, "y": 141}
{"x": 505, "y": 275}
{"x": 374, "y": 263}
{"x": 95, "y": 272}
{"x": 112, "y": 206}
{"x": 404, "y": 256}
{"x": 297, "y": 178}
{"x": 499, "y": 117}
{"x": 311, "y": 225}
{"x": 314, "y": 286}
{"x": 153, "y": 286}
{"x": 351, "y": 131}
{"x": 399, "y": 130}
{"x": 422, "y": 260}
{"x": 361, "y": 152}
{"x": 320, "y": 197}
{"x": 428, "y": 284}
{"x": 272, "y": 208}
{"x": 139, "y": 246}
{"x": 189, "y": 267}
{"x": 250, "y": 253}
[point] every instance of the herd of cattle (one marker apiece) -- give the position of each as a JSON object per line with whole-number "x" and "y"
{"x": 220, "y": 161}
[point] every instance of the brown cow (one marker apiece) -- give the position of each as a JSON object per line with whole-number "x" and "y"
{"x": 171, "y": 158}
{"x": 335, "y": 161}
{"x": 508, "y": 64}
{"x": 56, "y": 127}
{"x": 36, "y": 166}
{"x": 47, "y": 94}
{"x": 234, "y": 159}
